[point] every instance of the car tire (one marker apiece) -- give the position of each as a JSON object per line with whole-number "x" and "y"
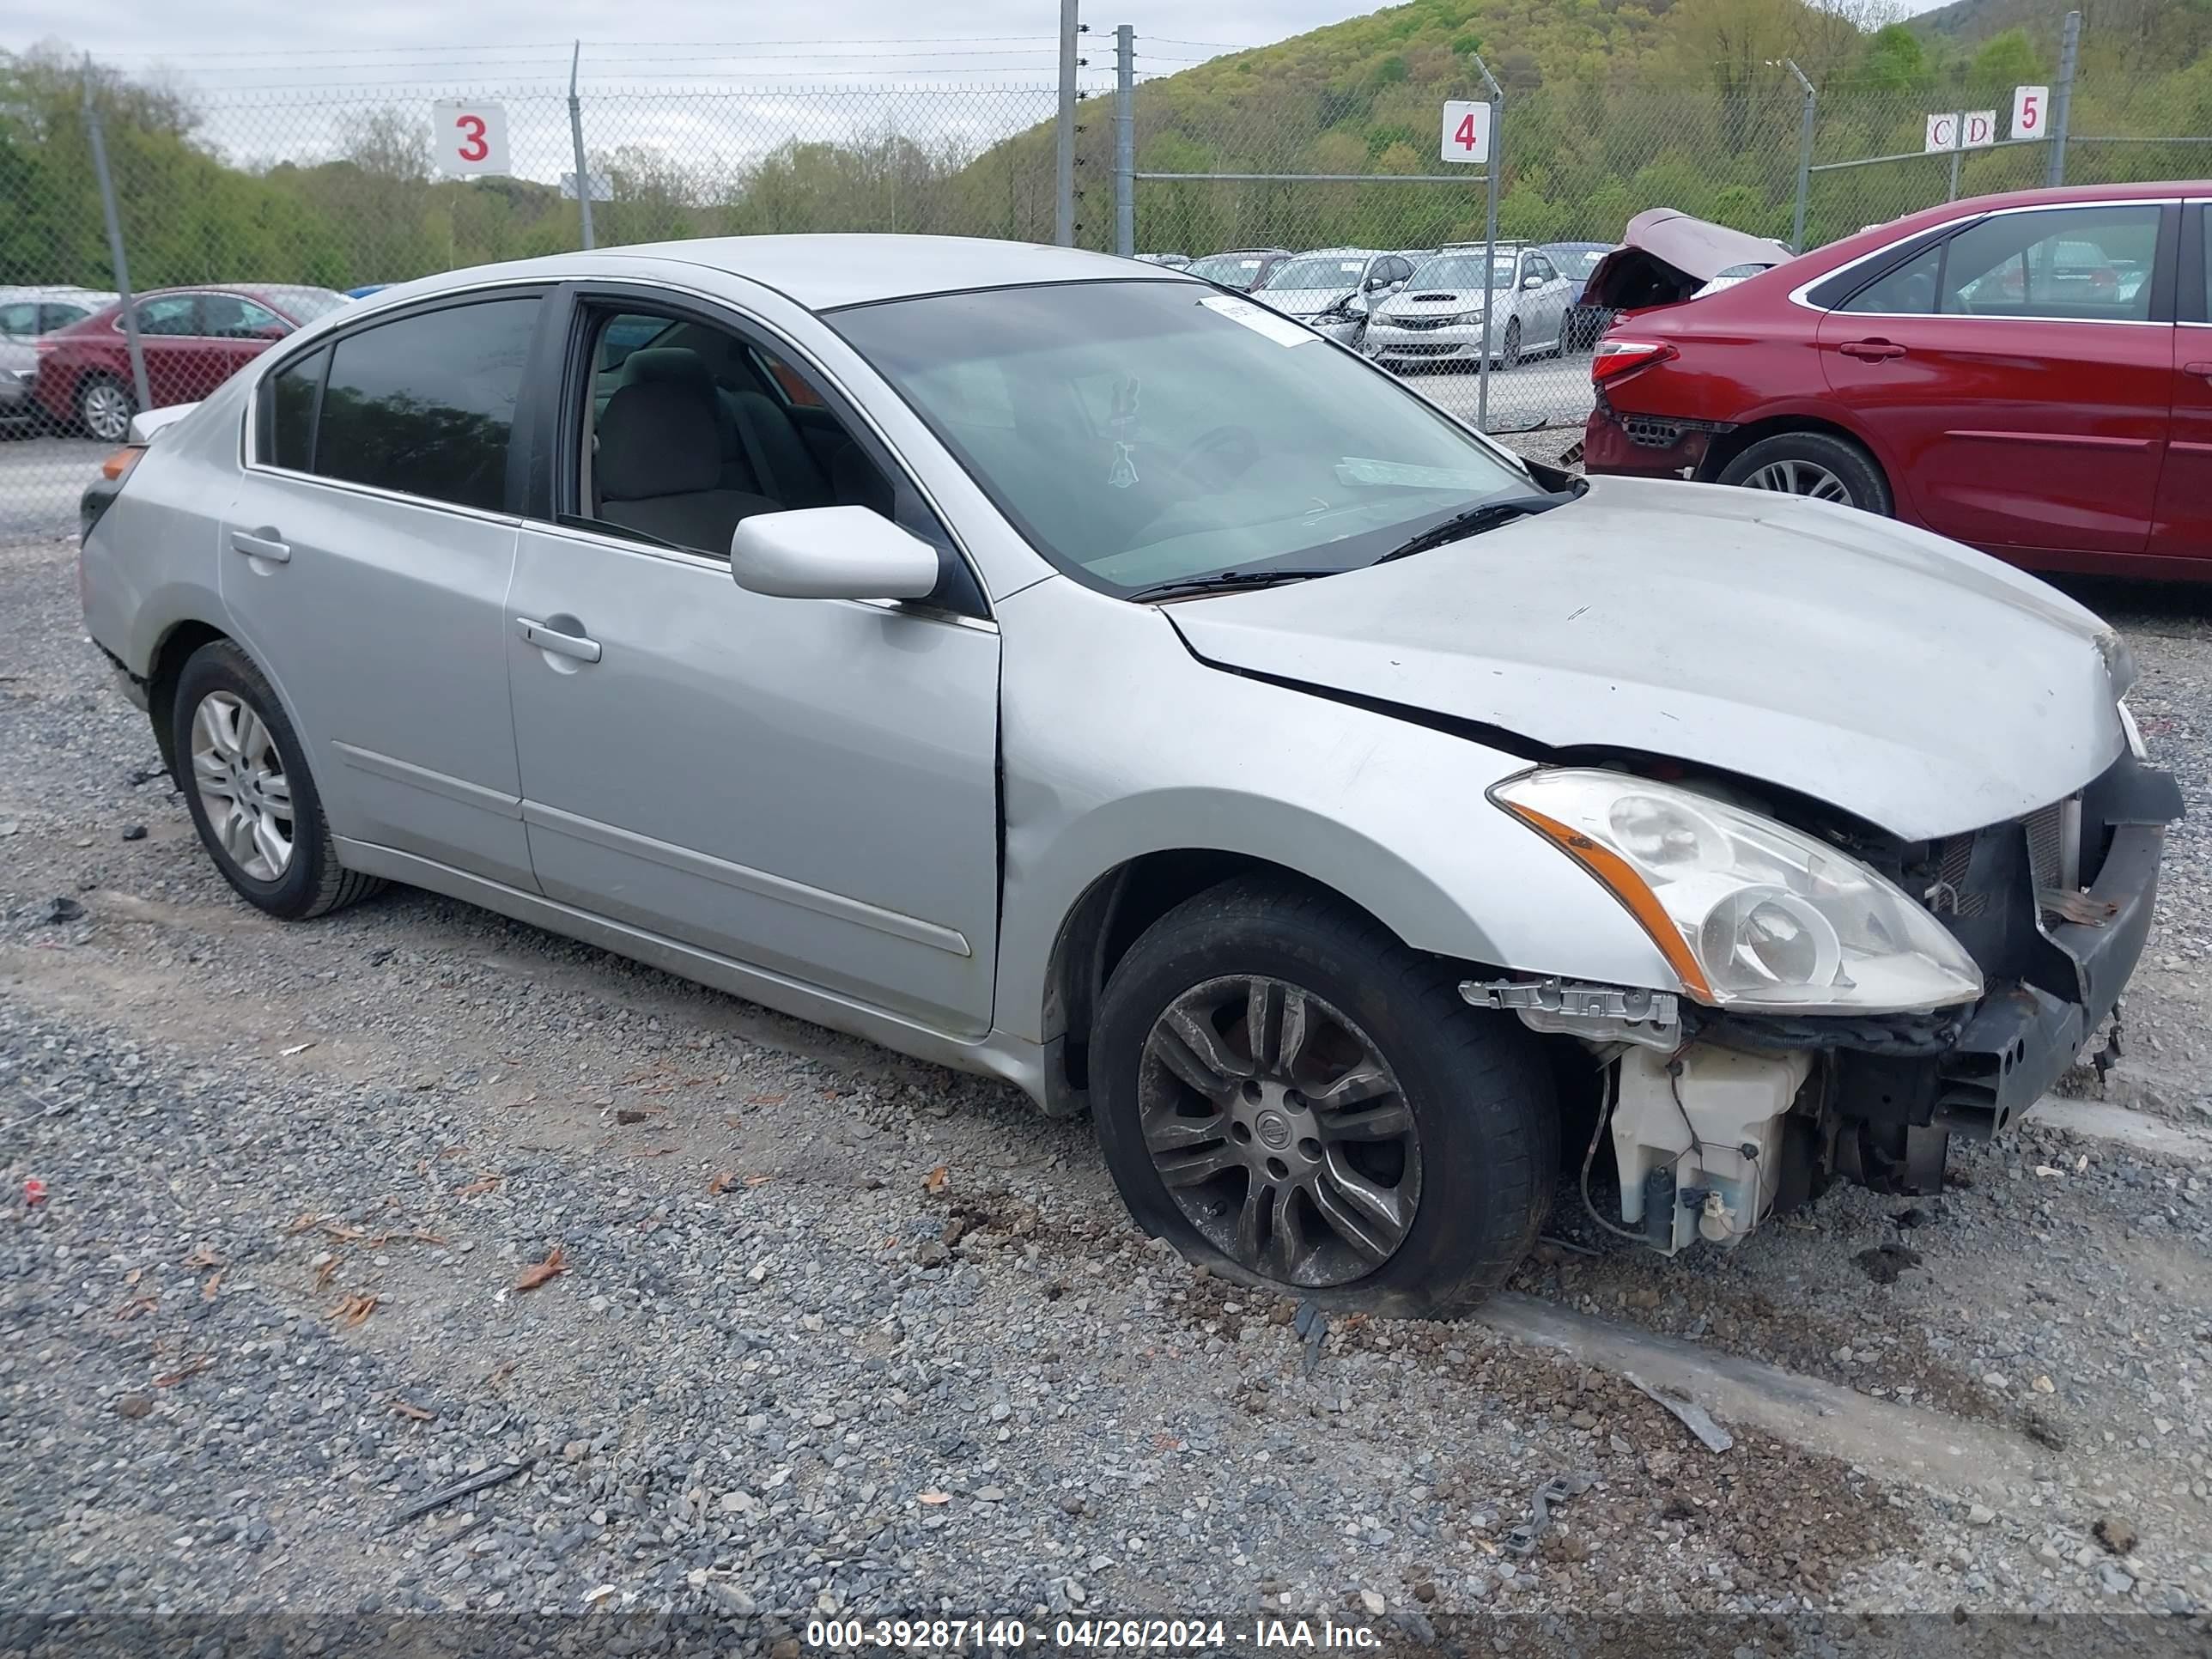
{"x": 1817, "y": 464}
{"x": 1441, "y": 1145}
{"x": 236, "y": 754}
{"x": 104, "y": 408}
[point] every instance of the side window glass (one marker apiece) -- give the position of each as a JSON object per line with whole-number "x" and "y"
{"x": 2090, "y": 262}
{"x": 54, "y": 317}
{"x": 19, "y": 321}
{"x": 1908, "y": 290}
{"x": 172, "y": 313}
{"x": 2204, "y": 220}
{"x": 687, "y": 438}
{"x": 228, "y": 317}
{"x": 425, "y": 404}
{"x": 288, "y": 412}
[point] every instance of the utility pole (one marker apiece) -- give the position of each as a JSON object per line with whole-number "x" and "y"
{"x": 132, "y": 347}
{"x": 1063, "y": 184}
{"x": 1804, "y": 155}
{"x": 1489, "y": 235}
{"x": 576, "y": 139}
{"x": 1125, "y": 140}
{"x": 2062, "y": 99}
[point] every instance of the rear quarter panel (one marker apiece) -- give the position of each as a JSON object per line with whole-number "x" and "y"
{"x": 152, "y": 561}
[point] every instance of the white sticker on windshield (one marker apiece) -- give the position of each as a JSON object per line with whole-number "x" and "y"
{"x": 1261, "y": 320}
{"x": 1358, "y": 470}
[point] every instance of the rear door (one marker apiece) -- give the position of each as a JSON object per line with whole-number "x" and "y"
{"x": 2183, "y": 529}
{"x": 238, "y": 329}
{"x": 366, "y": 563}
{"x": 2015, "y": 377}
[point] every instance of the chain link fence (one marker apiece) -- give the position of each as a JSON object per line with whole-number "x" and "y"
{"x": 285, "y": 198}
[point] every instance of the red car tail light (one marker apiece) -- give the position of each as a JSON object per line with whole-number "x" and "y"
{"x": 1617, "y": 358}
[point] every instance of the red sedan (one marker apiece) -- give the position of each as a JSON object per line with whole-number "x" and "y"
{"x": 193, "y": 340}
{"x": 2030, "y": 373}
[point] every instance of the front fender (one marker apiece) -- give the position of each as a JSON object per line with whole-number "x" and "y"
{"x": 1118, "y": 742}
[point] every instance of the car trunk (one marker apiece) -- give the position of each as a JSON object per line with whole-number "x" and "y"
{"x": 1668, "y": 256}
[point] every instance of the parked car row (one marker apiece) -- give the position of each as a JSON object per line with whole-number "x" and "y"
{"x": 2030, "y": 373}
{"x": 66, "y": 358}
{"x": 1417, "y": 307}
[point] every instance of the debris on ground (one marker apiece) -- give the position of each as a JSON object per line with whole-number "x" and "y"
{"x": 2116, "y": 1534}
{"x": 1695, "y": 1418}
{"x": 553, "y": 1266}
{"x": 459, "y": 1489}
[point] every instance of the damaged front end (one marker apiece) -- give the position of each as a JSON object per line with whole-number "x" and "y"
{"x": 1721, "y": 1117}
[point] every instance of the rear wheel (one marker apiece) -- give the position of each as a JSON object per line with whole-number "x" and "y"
{"x": 247, "y": 787}
{"x": 1816, "y": 464}
{"x": 1291, "y": 1097}
{"x": 104, "y": 406}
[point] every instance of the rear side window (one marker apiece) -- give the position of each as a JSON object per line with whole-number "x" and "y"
{"x": 172, "y": 313}
{"x": 425, "y": 404}
{"x": 1909, "y": 290}
{"x": 288, "y": 412}
{"x": 2089, "y": 262}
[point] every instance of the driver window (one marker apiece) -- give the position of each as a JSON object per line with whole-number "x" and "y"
{"x": 690, "y": 429}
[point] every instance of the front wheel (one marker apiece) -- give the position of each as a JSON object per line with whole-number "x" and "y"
{"x": 1509, "y": 355}
{"x": 1817, "y": 464}
{"x": 1289, "y": 1095}
{"x": 104, "y": 408}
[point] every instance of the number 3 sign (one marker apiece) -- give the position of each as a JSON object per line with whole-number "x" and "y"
{"x": 470, "y": 137}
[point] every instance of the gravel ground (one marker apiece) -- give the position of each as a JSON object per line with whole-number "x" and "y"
{"x": 757, "y": 1319}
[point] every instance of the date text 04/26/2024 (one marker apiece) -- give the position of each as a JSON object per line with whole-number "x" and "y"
{"x": 1084, "y": 1635}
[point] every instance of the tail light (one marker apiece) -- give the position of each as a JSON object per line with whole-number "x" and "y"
{"x": 1615, "y": 359}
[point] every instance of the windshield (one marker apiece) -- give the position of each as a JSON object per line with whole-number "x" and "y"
{"x": 1330, "y": 273}
{"x": 1462, "y": 270}
{"x": 1148, "y": 432}
{"x": 1231, "y": 270}
{"x": 1576, "y": 262}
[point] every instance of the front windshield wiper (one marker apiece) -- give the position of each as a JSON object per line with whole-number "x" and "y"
{"x": 1222, "y": 582}
{"x": 1483, "y": 515}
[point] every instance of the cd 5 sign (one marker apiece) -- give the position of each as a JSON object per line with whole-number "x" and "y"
{"x": 471, "y": 137}
{"x": 1972, "y": 130}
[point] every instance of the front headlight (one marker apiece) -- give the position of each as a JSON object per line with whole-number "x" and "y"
{"x": 1749, "y": 913}
{"x": 1473, "y": 316}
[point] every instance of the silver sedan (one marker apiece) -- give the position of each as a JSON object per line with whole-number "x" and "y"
{"x": 1057, "y": 668}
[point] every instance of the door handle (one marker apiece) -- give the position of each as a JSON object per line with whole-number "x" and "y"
{"x": 2205, "y": 369}
{"x": 260, "y": 547}
{"x": 1871, "y": 352}
{"x": 562, "y": 645}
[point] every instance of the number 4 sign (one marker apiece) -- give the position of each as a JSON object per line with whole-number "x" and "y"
{"x": 1466, "y": 132}
{"x": 470, "y": 137}
{"x": 2029, "y": 105}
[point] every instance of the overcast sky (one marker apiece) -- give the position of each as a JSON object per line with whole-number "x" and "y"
{"x": 278, "y": 79}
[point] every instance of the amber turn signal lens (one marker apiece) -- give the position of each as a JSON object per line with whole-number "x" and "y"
{"x": 121, "y": 461}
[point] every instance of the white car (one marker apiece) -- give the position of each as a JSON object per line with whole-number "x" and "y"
{"x": 1331, "y": 291}
{"x": 1437, "y": 317}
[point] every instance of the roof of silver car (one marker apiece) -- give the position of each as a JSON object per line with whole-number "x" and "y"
{"x": 824, "y": 271}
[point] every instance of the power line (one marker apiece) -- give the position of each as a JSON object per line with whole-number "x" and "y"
{"x": 562, "y": 46}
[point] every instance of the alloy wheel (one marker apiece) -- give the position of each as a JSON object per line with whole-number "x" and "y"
{"x": 240, "y": 774}
{"x": 106, "y": 408}
{"x": 1799, "y": 478}
{"x": 1280, "y": 1131}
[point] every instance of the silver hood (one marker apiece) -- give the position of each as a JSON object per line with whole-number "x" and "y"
{"x": 1915, "y": 683}
{"x": 1303, "y": 302}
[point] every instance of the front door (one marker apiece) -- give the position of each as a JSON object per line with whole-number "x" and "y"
{"x": 2015, "y": 380}
{"x": 182, "y": 364}
{"x": 806, "y": 786}
{"x": 366, "y": 563}
{"x": 2183, "y": 529}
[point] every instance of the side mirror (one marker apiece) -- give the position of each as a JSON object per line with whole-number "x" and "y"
{"x": 1358, "y": 305}
{"x": 1532, "y": 281}
{"x": 830, "y": 553}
